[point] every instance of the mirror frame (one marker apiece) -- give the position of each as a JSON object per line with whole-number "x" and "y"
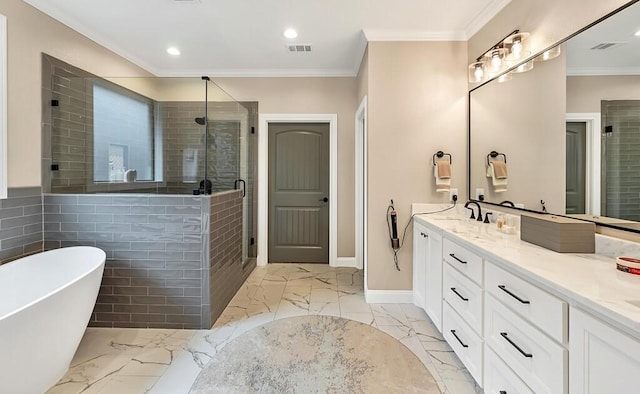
{"x": 3, "y": 107}
{"x": 469, "y": 194}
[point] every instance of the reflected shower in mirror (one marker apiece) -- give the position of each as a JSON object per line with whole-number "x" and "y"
{"x": 570, "y": 127}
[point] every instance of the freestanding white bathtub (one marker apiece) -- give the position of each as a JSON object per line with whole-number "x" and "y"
{"x": 46, "y": 301}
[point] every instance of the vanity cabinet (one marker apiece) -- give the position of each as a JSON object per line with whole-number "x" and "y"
{"x": 603, "y": 359}
{"x": 427, "y": 272}
{"x": 514, "y": 332}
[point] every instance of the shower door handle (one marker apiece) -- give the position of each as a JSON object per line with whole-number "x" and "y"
{"x": 244, "y": 186}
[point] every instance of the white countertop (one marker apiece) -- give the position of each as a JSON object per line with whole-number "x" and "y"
{"x": 588, "y": 281}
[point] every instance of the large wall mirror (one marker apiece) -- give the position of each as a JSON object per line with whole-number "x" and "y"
{"x": 567, "y": 131}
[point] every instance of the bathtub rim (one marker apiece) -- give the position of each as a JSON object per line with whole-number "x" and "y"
{"x": 100, "y": 252}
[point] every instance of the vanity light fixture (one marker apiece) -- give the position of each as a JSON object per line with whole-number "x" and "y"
{"x": 504, "y": 54}
{"x": 518, "y": 46}
{"x": 477, "y": 71}
{"x": 549, "y": 54}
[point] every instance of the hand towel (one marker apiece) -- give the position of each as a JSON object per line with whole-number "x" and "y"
{"x": 500, "y": 169}
{"x": 499, "y": 185}
{"x": 444, "y": 169}
{"x": 442, "y": 184}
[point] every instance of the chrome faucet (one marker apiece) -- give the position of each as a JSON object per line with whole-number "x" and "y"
{"x": 466, "y": 205}
{"x": 508, "y": 203}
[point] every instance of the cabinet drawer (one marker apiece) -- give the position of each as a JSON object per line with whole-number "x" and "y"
{"x": 499, "y": 378}
{"x": 463, "y": 260}
{"x": 464, "y": 296}
{"x": 463, "y": 340}
{"x": 539, "y": 361}
{"x": 545, "y": 311}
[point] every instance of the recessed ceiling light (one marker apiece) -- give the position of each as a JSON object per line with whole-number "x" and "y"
{"x": 638, "y": 33}
{"x": 173, "y": 51}
{"x": 290, "y": 33}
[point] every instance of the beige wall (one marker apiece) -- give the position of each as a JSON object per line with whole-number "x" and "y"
{"x": 29, "y": 34}
{"x": 548, "y": 21}
{"x": 309, "y": 96}
{"x": 585, "y": 93}
{"x": 417, "y": 95}
{"x": 525, "y": 119}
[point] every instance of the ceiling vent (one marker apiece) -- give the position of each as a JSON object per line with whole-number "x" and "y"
{"x": 299, "y": 47}
{"x": 607, "y": 45}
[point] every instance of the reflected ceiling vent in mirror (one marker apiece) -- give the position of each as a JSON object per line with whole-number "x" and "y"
{"x": 606, "y": 45}
{"x": 299, "y": 47}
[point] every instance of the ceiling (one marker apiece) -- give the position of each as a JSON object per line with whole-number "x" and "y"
{"x": 621, "y": 53}
{"x": 244, "y": 37}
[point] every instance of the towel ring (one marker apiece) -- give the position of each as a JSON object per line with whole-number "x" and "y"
{"x": 493, "y": 154}
{"x": 440, "y": 154}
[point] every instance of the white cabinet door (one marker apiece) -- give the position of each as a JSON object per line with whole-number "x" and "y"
{"x": 420, "y": 250}
{"x": 427, "y": 272}
{"x": 433, "y": 303}
{"x": 603, "y": 359}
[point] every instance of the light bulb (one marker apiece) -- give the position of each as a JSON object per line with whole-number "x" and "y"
{"x": 496, "y": 62}
{"x": 478, "y": 73}
{"x": 516, "y": 49}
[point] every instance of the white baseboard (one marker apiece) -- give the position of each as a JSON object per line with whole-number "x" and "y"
{"x": 349, "y": 262}
{"x": 389, "y": 296}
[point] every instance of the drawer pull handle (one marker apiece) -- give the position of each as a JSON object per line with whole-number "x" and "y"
{"x": 459, "y": 295}
{"x": 503, "y": 392}
{"x": 504, "y": 335}
{"x": 504, "y": 288}
{"x": 456, "y": 335}
{"x": 454, "y": 256}
{"x": 424, "y": 235}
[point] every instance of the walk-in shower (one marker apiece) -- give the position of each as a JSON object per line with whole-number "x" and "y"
{"x": 159, "y": 173}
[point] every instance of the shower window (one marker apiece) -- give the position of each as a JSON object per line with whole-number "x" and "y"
{"x": 123, "y": 134}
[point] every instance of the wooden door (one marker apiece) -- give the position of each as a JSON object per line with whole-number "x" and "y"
{"x": 298, "y": 192}
{"x": 576, "y": 167}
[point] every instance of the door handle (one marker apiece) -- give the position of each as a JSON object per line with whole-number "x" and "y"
{"x": 325, "y": 199}
{"x": 244, "y": 186}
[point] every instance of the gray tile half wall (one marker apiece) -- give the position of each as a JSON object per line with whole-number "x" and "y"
{"x": 20, "y": 223}
{"x": 158, "y": 269}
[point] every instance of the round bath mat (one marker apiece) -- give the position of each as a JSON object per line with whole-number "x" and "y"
{"x": 315, "y": 354}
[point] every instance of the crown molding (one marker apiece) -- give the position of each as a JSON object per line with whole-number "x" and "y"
{"x": 81, "y": 28}
{"x": 259, "y": 73}
{"x": 601, "y": 71}
{"x": 488, "y": 13}
{"x": 400, "y": 35}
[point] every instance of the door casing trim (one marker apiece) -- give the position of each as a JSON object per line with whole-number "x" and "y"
{"x": 594, "y": 149}
{"x": 263, "y": 179}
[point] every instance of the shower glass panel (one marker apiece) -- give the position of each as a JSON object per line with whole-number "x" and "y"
{"x": 620, "y": 158}
{"x": 147, "y": 135}
{"x": 230, "y": 151}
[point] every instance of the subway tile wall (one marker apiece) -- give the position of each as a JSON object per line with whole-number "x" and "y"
{"x": 20, "y": 223}
{"x": 226, "y": 269}
{"x": 154, "y": 246}
{"x": 172, "y": 261}
{"x": 621, "y": 182}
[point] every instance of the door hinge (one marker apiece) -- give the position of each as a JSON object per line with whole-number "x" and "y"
{"x": 253, "y": 130}
{"x": 252, "y": 241}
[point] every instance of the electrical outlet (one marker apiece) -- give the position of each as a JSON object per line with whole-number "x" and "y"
{"x": 480, "y": 194}
{"x": 453, "y": 192}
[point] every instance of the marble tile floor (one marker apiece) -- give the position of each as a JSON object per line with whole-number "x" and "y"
{"x": 168, "y": 361}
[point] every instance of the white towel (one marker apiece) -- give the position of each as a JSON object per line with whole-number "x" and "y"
{"x": 499, "y": 185}
{"x": 442, "y": 184}
{"x": 190, "y": 165}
